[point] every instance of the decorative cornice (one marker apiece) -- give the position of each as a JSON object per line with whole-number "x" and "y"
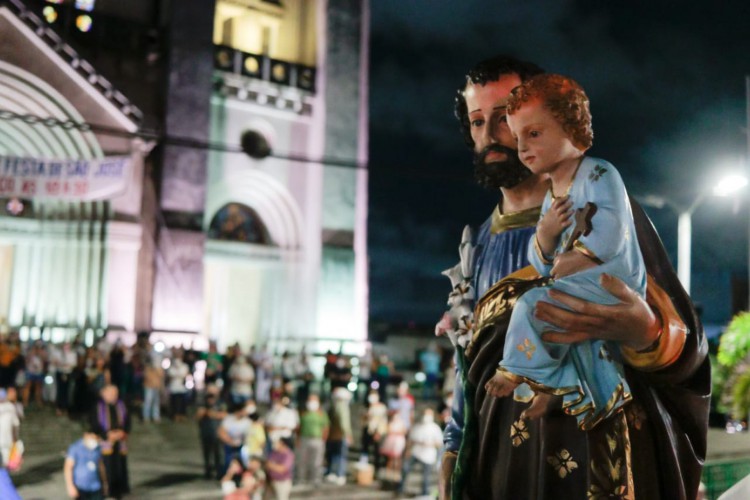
{"x": 70, "y": 56}
{"x": 263, "y": 93}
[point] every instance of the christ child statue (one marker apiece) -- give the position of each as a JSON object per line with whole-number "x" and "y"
{"x": 585, "y": 230}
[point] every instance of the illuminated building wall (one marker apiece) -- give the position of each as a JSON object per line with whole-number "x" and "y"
{"x": 59, "y": 258}
{"x": 226, "y": 241}
{"x": 292, "y": 75}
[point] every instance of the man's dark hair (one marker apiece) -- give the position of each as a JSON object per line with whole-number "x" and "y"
{"x": 489, "y": 70}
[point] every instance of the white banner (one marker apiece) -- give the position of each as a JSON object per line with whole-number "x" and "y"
{"x": 75, "y": 180}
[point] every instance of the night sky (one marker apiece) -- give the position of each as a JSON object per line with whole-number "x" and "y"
{"x": 667, "y": 87}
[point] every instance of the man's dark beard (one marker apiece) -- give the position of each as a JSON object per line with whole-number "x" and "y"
{"x": 508, "y": 173}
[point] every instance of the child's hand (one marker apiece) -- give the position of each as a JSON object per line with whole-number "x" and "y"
{"x": 570, "y": 262}
{"x": 72, "y": 491}
{"x": 554, "y": 222}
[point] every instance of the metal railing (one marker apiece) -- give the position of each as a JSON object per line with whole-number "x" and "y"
{"x": 265, "y": 68}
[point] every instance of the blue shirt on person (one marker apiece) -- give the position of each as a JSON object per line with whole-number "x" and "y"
{"x": 86, "y": 466}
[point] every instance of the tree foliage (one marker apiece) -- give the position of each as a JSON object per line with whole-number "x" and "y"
{"x": 735, "y": 342}
{"x": 733, "y": 376}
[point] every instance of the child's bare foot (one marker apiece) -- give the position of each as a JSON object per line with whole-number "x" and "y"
{"x": 538, "y": 407}
{"x": 499, "y": 386}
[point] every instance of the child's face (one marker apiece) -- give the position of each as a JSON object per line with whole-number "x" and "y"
{"x": 542, "y": 142}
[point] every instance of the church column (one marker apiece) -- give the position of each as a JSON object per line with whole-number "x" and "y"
{"x": 95, "y": 265}
{"x": 6, "y": 282}
{"x": 83, "y": 264}
{"x": 147, "y": 255}
{"x": 22, "y": 265}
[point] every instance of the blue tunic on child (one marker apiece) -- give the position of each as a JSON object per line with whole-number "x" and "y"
{"x": 588, "y": 375}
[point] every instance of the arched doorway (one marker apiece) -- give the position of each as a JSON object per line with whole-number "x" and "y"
{"x": 53, "y": 254}
{"x": 245, "y": 279}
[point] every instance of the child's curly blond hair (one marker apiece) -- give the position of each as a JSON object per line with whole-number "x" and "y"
{"x": 564, "y": 98}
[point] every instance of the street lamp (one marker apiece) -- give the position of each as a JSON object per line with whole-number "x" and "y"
{"x": 725, "y": 187}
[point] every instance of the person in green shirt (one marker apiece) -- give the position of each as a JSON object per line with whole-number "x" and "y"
{"x": 214, "y": 363}
{"x": 313, "y": 432}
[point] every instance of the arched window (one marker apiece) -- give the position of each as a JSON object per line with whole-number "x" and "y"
{"x": 237, "y": 222}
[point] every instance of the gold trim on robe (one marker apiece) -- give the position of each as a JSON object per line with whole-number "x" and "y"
{"x": 498, "y": 301}
{"x": 672, "y": 336}
{"x": 540, "y": 253}
{"x": 523, "y": 218}
{"x": 590, "y": 419}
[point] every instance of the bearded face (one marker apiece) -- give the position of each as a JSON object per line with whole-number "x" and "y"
{"x": 496, "y": 174}
{"x": 496, "y": 162}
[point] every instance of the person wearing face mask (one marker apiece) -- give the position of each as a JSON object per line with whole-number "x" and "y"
{"x": 375, "y": 421}
{"x": 340, "y": 437}
{"x": 256, "y": 439}
{"x": 313, "y": 432}
{"x": 85, "y": 476}
{"x": 425, "y": 439}
{"x": 282, "y": 421}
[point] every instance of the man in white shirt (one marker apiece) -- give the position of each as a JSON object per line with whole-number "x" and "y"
{"x": 232, "y": 432}
{"x": 242, "y": 375}
{"x": 425, "y": 439}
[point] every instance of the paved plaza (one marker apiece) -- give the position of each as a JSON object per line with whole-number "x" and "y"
{"x": 165, "y": 462}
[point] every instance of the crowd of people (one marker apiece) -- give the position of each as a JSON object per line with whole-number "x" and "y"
{"x": 264, "y": 421}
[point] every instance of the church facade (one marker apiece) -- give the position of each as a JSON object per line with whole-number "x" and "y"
{"x": 239, "y": 209}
